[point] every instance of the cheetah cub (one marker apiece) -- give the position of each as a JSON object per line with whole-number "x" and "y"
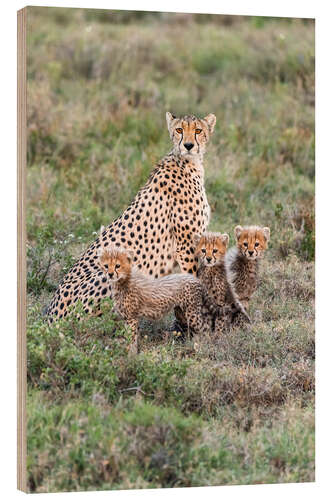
{"x": 137, "y": 296}
{"x": 211, "y": 250}
{"x": 243, "y": 260}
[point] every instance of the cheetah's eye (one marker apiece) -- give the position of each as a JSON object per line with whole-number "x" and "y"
{"x": 203, "y": 250}
{"x": 256, "y": 244}
{"x": 198, "y": 130}
{"x": 245, "y": 244}
{"x": 179, "y": 130}
{"x": 215, "y": 250}
{"x": 117, "y": 266}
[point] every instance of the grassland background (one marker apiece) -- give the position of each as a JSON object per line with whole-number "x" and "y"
{"x": 236, "y": 411}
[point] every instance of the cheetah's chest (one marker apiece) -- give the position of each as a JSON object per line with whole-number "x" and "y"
{"x": 195, "y": 200}
{"x": 206, "y": 209}
{"x": 247, "y": 279}
{"x": 215, "y": 282}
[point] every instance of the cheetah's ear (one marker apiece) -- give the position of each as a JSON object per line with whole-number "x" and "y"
{"x": 267, "y": 233}
{"x": 225, "y": 239}
{"x": 211, "y": 120}
{"x": 169, "y": 118}
{"x": 237, "y": 231}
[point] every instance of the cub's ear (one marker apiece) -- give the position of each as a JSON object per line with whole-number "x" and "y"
{"x": 225, "y": 239}
{"x": 211, "y": 120}
{"x": 267, "y": 233}
{"x": 130, "y": 255}
{"x": 100, "y": 252}
{"x": 101, "y": 231}
{"x": 196, "y": 239}
{"x": 237, "y": 231}
{"x": 169, "y": 118}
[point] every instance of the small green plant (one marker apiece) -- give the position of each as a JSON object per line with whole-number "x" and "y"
{"x": 42, "y": 257}
{"x": 76, "y": 355}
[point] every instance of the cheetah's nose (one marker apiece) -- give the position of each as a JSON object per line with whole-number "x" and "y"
{"x": 111, "y": 275}
{"x": 208, "y": 259}
{"x": 188, "y": 145}
{"x": 251, "y": 252}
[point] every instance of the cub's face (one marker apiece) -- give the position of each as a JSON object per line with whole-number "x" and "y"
{"x": 252, "y": 241}
{"x": 190, "y": 134}
{"x": 211, "y": 248}
{"x": 115, "y": 263}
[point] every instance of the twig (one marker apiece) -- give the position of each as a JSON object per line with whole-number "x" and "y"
{"x": 136, "y": 388}
{"x": 41, "y": 283}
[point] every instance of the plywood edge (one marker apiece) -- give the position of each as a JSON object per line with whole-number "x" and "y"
{"x": 21, "y": 248}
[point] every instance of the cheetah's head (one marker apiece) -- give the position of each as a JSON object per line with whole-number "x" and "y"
{"x": 115, "y": 262}
{"x": 190, "y": 134}
{"x": 211, "y": 248}
{"x": 252, "y": 241}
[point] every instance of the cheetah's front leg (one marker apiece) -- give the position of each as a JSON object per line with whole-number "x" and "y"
{"x": 134, "y": 326}
{"x": 222, "y": 324}
{"x": 196, "y": 320}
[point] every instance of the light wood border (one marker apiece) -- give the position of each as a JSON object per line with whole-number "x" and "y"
{"x": 21, "y": 247}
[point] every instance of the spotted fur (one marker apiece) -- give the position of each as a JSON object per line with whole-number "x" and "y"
{"x": 211, "y": 250}
{"x": 159, "y": 224}
{"x": 243, "y": 260}
{"x": 138, "y": 296}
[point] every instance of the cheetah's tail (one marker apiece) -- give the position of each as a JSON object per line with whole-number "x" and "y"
{"x": 240, "y": 309}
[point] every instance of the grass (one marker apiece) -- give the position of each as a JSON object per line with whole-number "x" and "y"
{"x": 239, "y": 410}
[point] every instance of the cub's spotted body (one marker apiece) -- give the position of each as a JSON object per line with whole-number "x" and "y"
{"x": 138, "y": 296}
{"x": 211, "y": 250}
{"x": 243, "y": 260}
{"x": 159, "y": 224}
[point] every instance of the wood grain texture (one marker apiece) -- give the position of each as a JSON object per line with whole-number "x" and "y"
{"x": 21, "y": 248}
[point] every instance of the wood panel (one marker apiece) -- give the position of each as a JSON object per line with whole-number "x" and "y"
{"x": 21, "y": 247}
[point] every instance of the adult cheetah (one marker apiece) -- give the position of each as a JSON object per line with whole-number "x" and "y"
{"x": 159, "y": 224}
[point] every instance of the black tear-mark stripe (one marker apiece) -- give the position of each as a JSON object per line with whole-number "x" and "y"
{"x": 180, "y": 139}
{"x": 195, "y": 137}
